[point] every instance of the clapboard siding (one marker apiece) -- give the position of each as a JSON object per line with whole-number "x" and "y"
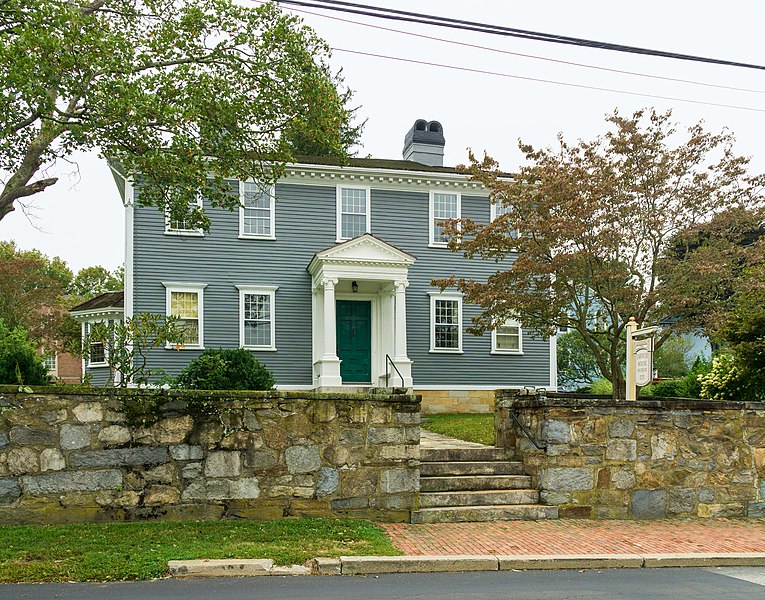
{"x": 305, "y": 224}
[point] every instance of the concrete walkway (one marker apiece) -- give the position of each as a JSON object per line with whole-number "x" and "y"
{"x": 428, "y": 439}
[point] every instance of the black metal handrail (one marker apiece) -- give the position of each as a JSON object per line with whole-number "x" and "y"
{"x": 526, "y": 432}
{"x": 388, "y": 359}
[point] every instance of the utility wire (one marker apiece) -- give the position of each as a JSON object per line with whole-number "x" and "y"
{"x": 523, "y": 55}
{"x": 549, "y": 81}
{"x": 425, "y": 19}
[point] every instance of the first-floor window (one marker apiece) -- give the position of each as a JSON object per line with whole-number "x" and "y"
{"x": 96, "y": 349}
{"x": 50, "y": 362}
{"x": 185, "y": 302}
{"x": 508, "y": 338}
{"x": 256, "y": 307}
{"x": 446, "y": 323}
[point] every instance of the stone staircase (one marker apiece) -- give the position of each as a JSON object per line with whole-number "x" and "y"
{"x": 475, "y": 484}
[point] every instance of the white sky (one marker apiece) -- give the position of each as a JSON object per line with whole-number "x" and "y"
{"x": 81, "y": 218}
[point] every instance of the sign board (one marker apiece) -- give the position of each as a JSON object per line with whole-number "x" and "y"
{"x": 643, "y": 361}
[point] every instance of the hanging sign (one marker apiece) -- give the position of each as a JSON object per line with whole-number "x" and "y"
{"x": 643, "y": 361}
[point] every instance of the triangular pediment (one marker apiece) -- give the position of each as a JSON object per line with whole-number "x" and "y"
{"x": 365, "y": 249}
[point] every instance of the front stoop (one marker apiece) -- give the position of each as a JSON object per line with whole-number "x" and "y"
{"x": 475, "y": 484}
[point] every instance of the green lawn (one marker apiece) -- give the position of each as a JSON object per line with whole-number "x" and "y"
{"x": 471, "y": 428}
{"x": 121, "y": 551}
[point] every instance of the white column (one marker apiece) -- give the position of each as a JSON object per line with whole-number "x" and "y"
{"x": 329, "y": 370}
{"x": 401, "y": 359}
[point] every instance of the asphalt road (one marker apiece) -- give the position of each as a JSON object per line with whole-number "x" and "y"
{"x": 678, "y": 584}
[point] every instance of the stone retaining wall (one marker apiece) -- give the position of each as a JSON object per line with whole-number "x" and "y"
{"x": 78, "y": 455}
{"x": 649, "y": 459}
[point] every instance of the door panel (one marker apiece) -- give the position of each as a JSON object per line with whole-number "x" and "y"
{"x": 354, "y": 340}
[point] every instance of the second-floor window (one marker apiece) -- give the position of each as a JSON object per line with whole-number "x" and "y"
{"x": 256, "y": 215}
{"x": 353, "y": 212}
{"x": 179, "y": 222}
{"x": 443, "y": 206}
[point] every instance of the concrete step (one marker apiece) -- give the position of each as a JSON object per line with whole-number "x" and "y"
{"x": 459, "y": 514}
{"x": 460, "y": 454}
{"x": 437, "y": 469}
{"x": 479, "y": 498}
{"x": 475, "y": 482}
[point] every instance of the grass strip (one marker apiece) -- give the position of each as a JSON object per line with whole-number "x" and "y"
{"x": 140, "y": 550}
{"x": 471, "y": 428}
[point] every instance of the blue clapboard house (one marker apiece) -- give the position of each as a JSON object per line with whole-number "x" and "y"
{"x": 326, "y": 279}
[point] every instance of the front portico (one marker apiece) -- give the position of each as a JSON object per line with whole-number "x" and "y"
{"x": 367, "y": 278}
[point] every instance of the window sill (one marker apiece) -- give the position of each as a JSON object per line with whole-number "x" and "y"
{"x": 185, "y": 233}
{"x": 510, "y": 352}
{"x": 184, "y": 347}
{"x": 244, "y": 236}
{"x": 435, "y": 351}
{"x": 438, "y": 245}
{"x": 97, "y": 365}
{"x": 260, "y": 348}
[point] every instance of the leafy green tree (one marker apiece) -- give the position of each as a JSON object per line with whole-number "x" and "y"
{"x": 19, "y": 362}
{"x": 595, "y": 219}
{"x": 172, "y": 90}
{"x": 126, "y": 344}
{"x": 576, "y": 363}
{"x": 672, "y": 360}
{"x": 32, "y": 293}
{"x": 92, "y": 281}
{"x": 226, "y": 369}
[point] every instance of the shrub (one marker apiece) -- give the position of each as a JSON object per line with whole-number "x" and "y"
{"x": 729, "y": 380}
{"x": 225, "y": 369}
{"x": 19, "y": 362}
{"x": 601, "y": 386}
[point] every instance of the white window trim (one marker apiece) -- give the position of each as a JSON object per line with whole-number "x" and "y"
{"x": 271, "y": 191}
{"x": 88, "y": 363}
{"x": 445, "y": 296}
{"x": 432, "y": 243}
{"x": 496, "y": 350}
{"x": 339, "y": 209}
{"x": 494, "y": 217}
{"x": 185, "y": 232}
{"x": 265, "y": 290}
{"x": 179, "y": 286}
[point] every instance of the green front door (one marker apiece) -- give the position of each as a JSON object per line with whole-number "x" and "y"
{"x": 354, "y": 340}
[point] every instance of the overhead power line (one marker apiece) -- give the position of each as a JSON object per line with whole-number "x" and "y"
{"x": 549, "y": 81}
{"x": 524, "y": 55}
{"x": 461, "y": 24}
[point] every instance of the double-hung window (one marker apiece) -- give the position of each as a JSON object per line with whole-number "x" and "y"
{"x": 256, "y": 317}
{"x": 96, "y": 349}
{"x": 507, "y": 338}
{"x": 354, "y": 214}
{"x": 178, "y": 222}
{"x": 443, "y": 206}
{"x": 256, "y": 213}
{"x": 445, "y": 322}
{"x": 49, "y": 360}
{"x": 185, "y": 301}
{"x": 499, "y": 209}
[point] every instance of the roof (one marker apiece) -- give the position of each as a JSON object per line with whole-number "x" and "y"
{"x": 105, "y": 300}
{"x": 376, "y": 163}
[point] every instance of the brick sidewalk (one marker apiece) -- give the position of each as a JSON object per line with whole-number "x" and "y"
{"x": 567, "y": 536}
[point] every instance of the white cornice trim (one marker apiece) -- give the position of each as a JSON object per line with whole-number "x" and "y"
{"x": 332, "y": 175}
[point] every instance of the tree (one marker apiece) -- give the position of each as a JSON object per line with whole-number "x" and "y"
{"x": 181, "y": 92}
{"x": 672, "y": 359}
{"x": 576, "y": 362}
{"x": 20, "y": 364}
{"x": 125, "y": 344}
{"x": 595, "y": 218}
{"x": 92, "y": 281}
{"x": 32, "y": 292}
